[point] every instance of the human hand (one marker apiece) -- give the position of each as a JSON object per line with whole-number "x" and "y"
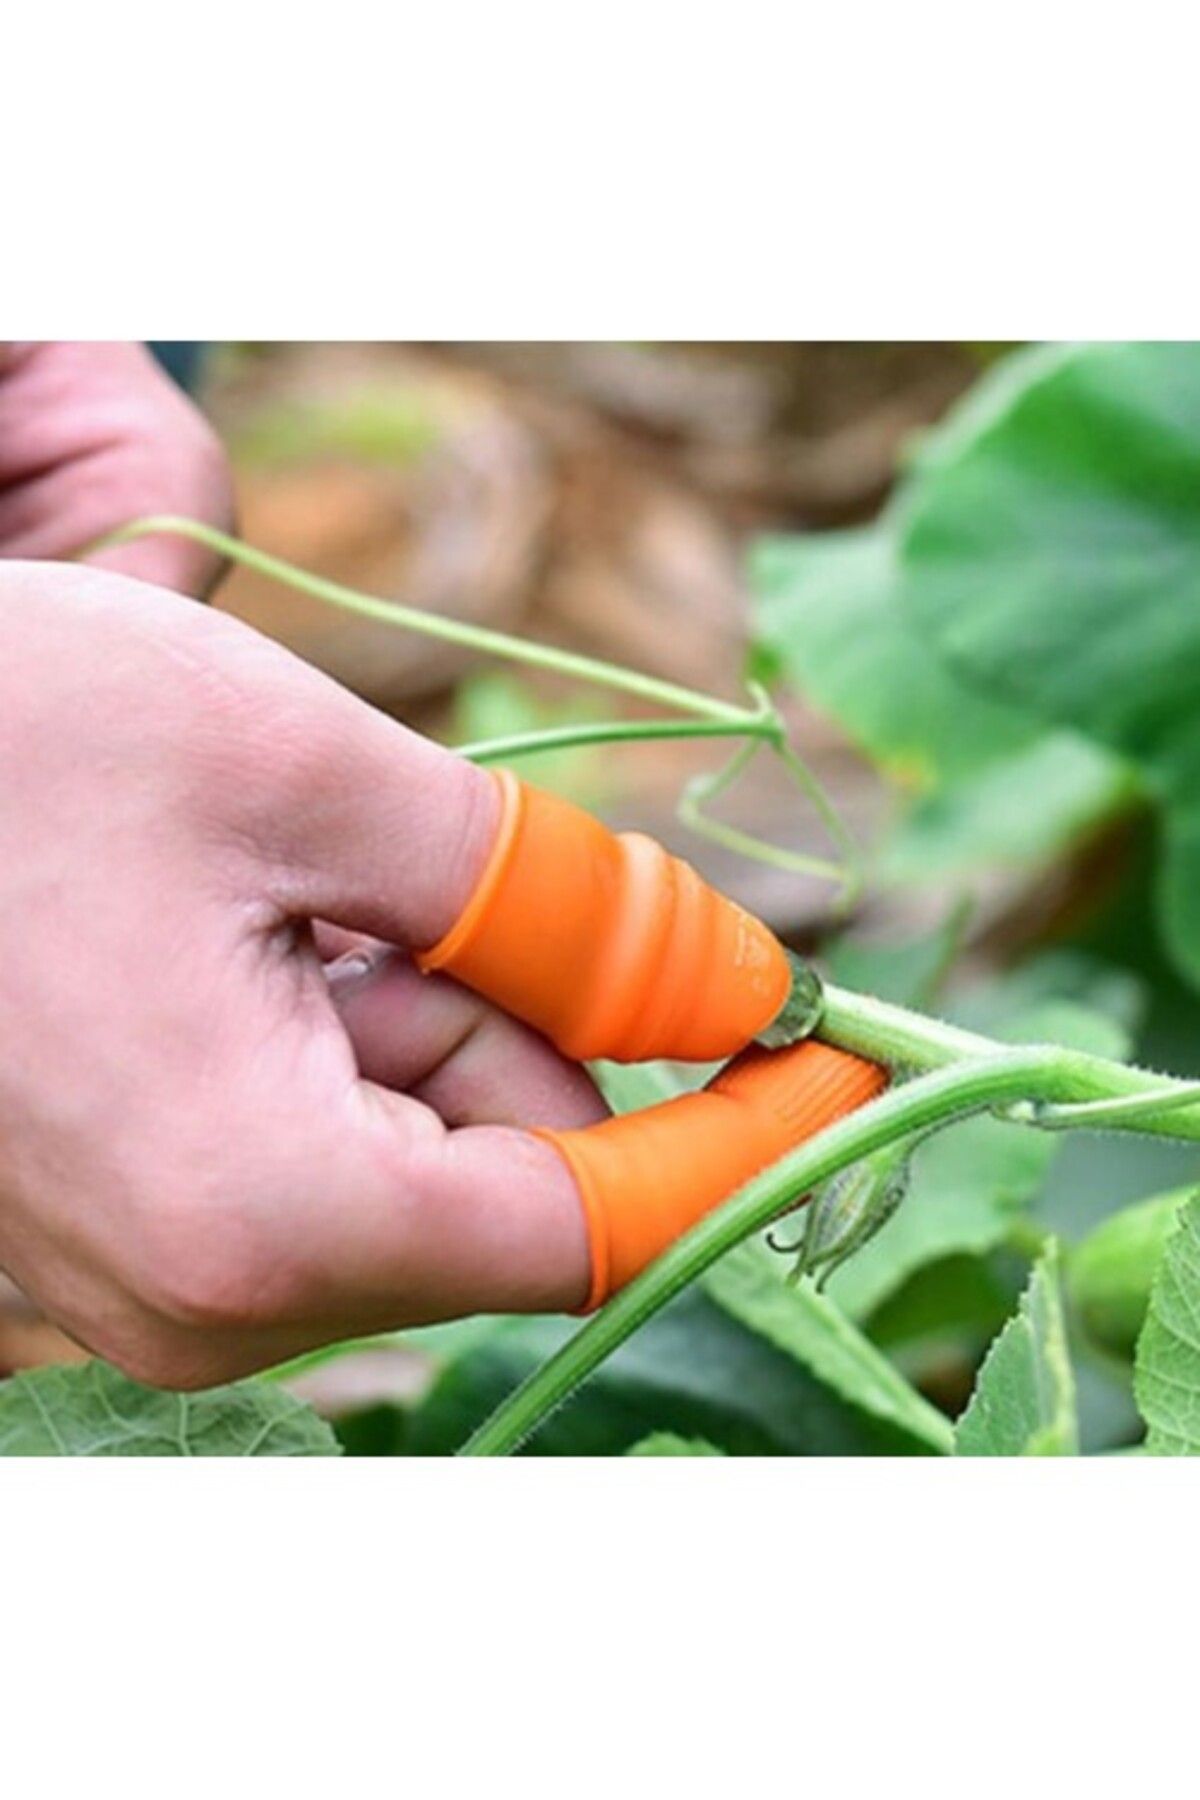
{"x": 212, "y": 1154}
{"x": 93, "y": 435}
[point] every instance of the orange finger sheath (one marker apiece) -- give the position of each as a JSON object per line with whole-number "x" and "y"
{"x": 606, "y": 943}
{"x": 645, "y": 1178}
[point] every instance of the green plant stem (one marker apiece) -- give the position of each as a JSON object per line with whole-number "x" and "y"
{"x": 436, "y": 625}
{"x": 703, "y": 788}
{"x": 616, "y": 731}
{"x": 891, "y": 1034}
{"x": 760, "y": 723}
{"x": 830, "y": 818}
{"x": 933, "y": 1099}
{"x": 1127, "y": 1113}
{"x": 707, "y": 787}
{"x": 964, "y": 1073}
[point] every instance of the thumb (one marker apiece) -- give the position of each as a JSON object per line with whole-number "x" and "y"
{"x": 370, "y": 826}
{"x": 603, "y": 942}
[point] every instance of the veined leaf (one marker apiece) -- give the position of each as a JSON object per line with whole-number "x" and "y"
{"x": 748, "y": 1284}
{"x": 693, "y": 1370}
{"x": 92, "y": 1410}
{"x": 1050, "y": 554}
{"x": 1024, "y": 1399}
{"x": 993, "y": 785}
{"x": 827, "y": 609}
{"x": 1167, "y": 1377}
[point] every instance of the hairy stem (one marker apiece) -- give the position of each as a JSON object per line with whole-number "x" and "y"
{"x": 965, "y": 1073}
{"x": 933, "y": 1099}
{"x": 891, "y": 1034}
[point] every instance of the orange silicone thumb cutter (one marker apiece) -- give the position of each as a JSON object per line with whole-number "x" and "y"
{"x": 645, "y": 1178}
{"x": 606, "y": 943}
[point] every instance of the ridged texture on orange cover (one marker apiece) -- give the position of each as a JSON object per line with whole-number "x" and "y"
{"x": 647, "y": 1177}
{"x": 607, "y": 944}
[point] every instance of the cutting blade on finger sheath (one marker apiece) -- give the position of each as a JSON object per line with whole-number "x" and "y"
{"x": 800, "y": 1013}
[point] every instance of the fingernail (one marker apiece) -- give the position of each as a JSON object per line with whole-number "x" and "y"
{"x": 349, "y": 973}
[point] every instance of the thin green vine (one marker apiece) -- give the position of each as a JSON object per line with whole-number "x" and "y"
{"x": 759, "y": 724}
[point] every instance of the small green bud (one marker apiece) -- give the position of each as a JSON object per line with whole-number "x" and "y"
{"x": 848, "y": 1210}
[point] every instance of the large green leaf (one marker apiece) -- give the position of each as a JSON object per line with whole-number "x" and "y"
{"x": 1167, "y": 1380}
{"x": 994, "y": 785}
{"x": 1050, "y": 552}
{"x": 748, "y": 1284}
{"x": 1022, "y": 809}
{"x": 693, "y": 1370}
{"x": 1024, "y": 1399}
{"x": 827, "y": 613}
{"x": 91, "y": 1410}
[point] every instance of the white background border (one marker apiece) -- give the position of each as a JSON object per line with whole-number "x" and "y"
{"x": 633, "y": 172}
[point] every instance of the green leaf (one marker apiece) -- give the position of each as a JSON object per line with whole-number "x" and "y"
{"x": 1024, "y": 1399}
{"x": 1111, "y": 1273}
{"x": 1167, "y": 1370}
{"x": 1025, "y": 808}
{"x": 92, "y": 1410}
{"x": 666, "y": 1443}
{"x": 1050, "y": 553}
{"x": 693, "y": 1370}
{"x": 804, "y": 1324}
{"x": 994, "y": 786}
{"x": 826, "y": 612}
{"x": 827, "y": 609}
{"x": 951, "y": 1308}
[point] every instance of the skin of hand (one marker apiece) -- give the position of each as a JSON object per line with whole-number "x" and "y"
{"x": 214, "y": 1151}
{"x": 93, "y": 435}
